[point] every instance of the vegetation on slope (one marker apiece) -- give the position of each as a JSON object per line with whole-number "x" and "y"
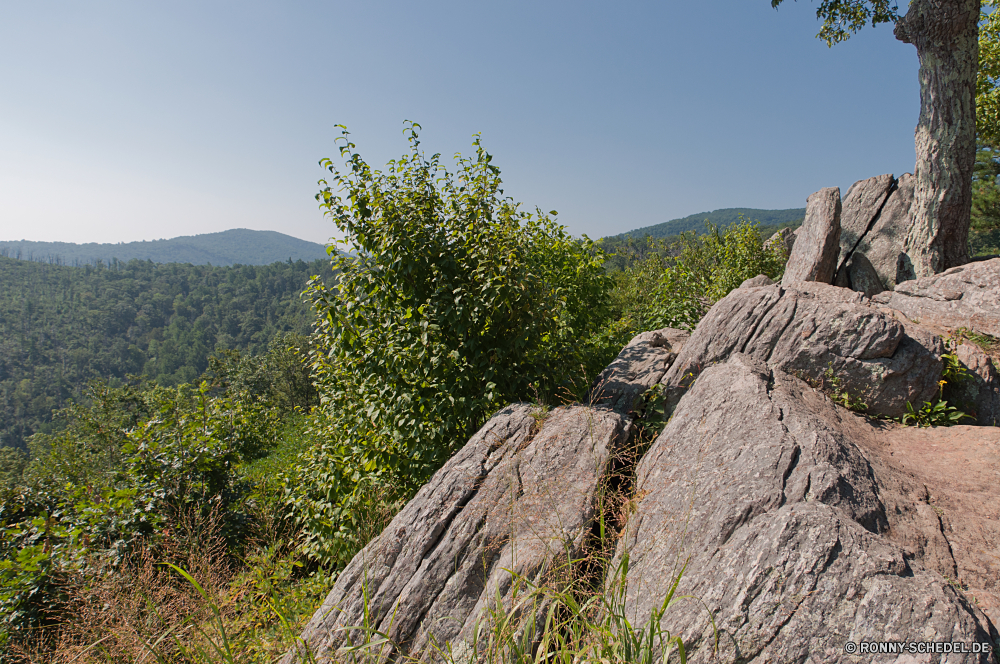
{"x": 62, "y": 326}
{"x": 260, "y": 488}
{"x": 239, "y": 246}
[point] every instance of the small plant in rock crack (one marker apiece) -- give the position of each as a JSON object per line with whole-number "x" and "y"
{"x": 936, "y": 413}
{"x": 839, "y": 394}
{"x": 651, "y": 407}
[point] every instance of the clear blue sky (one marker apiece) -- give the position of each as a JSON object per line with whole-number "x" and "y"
{"x": 122, "y": 121}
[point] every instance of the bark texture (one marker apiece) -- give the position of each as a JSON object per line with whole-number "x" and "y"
{"x": 945, "y": 33}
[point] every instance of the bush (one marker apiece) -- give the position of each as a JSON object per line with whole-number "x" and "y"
{"x": 452, "y": 303}
{"x": 675, "y": 286}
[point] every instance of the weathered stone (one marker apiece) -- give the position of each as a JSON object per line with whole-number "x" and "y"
{"x": 757, "y": 282}
{"x": 785, "y": 238}
{"x": 979, "y": 392}
{"x": 884, "y": 244}
{"x": 639, "y": 366}
{"x": 757, "y": 488}
{"x": 861, "y": 208}
{"x": 510, "y": 499}
{"x": 810, "y": 331}
{"x": 939, "y": 486}
{"x": 814, "y": 255}
{"x": 965, "y": 296}
{"x": 862, "y": 276}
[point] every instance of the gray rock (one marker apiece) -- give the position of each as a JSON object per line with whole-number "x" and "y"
{"x": 785, "y": 238}
{"x": 814, "y": 256}
{"x": 979, "y": 391}
{"x": 511, "y": 499}
{"x": 812, "y": 329}
{"x": 757, "y": 486}
{"x": 639, "y": 366}
{"x": 884, "y": 244}
{"x": 757, "y": 282}
{"x": 862, "y": 276}
{"x": 964, "y": 296}
{"x": 862, "y": 206}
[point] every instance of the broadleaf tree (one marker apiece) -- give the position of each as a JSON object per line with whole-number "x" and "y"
{"x": 945, "y": 34}
{"x": 450, "y": 303}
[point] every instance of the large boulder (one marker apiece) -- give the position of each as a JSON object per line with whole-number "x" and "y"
{"x": 759, "y": 489}
{"x": 861, "y": 208}
{"x": 820, "y": 332}
{"x": 884, "y": 243}
{"x": 639, "y": 366}
{"x": 965, "y": 296}
{"x": 814, "y": 253}
{"x": 875, "y": 222}
{"x": 515, "y": 498}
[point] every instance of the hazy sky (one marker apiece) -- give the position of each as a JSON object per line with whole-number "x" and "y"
{"x": 122, "y": 121}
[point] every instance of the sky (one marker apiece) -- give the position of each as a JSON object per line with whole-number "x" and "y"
{"x": 139, "y": 120}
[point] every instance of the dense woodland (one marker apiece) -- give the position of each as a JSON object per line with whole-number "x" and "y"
{"x": 238, "y": 246}
{"x": 62, "y": 326}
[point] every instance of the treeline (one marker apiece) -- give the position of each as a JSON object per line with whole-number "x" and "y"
{"x": 61, "y": 326}
{"x": 236, "y": 246}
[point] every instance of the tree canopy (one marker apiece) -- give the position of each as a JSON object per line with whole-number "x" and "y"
{"x": 843, "y": 18}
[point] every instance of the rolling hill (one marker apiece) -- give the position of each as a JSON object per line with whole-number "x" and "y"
{"x": 239, "y": 246}
{"x": 722, "y": 218}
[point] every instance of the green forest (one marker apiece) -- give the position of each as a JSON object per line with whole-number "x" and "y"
{"x": 238, "y": 246}
{"x": 62, "y": 326}
{"x": 224, "y": 446}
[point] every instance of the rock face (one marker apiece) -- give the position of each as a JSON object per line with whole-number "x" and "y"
{"x": 811, "y": 329}
{"x": 875, "y": 223}
{"x": 759, "y": 484}
{"x": 511, "y": 499}
{"x": 884, "y": 245}
{"x": 862, "y": 207}
{"x": 814, "y": 255}
{"x": 979, "y": 392}
{"x": 785, "y": 238}
{"x": 639, "y": 366}
{"x": 965, "y": 296}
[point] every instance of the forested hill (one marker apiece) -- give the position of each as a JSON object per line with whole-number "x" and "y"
{"x": 766, "y": 219}
{"x": 239, "y": 246}
{"x": 61, "y": 326}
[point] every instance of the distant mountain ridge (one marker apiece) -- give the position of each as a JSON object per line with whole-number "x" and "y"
{"x": 721, "y": 218}
{"x": 237, "y": 246}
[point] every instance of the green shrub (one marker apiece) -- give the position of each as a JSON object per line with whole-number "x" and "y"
{"x": 675, "y": 288}
{"x": 452, "y": 303}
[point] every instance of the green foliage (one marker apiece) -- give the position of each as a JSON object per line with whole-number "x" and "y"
{"x": 938, "y": 412}
{"x": 239, "y": 246}
{"x": 454, "y": 303}
{"x": 834, "y": 387}
{"x": 63, "y": 326}
{"x": 984, "y": 228}
{"x": 115, "y": 476}
{"x": 988, "y": 78}
{"x": 843, "y": 18}
{"x": 677, "y": 290}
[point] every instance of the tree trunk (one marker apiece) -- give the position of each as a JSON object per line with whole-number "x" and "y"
{"x": 946, "y": 35}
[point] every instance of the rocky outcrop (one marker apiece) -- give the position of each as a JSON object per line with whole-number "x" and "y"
{"x": 861, "y": 208}
{"x": 814, "y": 254}
{"x": 875, "y": 223}
{"x": 819, "y": 332}
{"x": 760, "y": 490}
{"x": 784, "y": 238}
{"x": 965, "y": 296}
{"x": 511, "y": 499}
{"x": 639, "y": 366}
